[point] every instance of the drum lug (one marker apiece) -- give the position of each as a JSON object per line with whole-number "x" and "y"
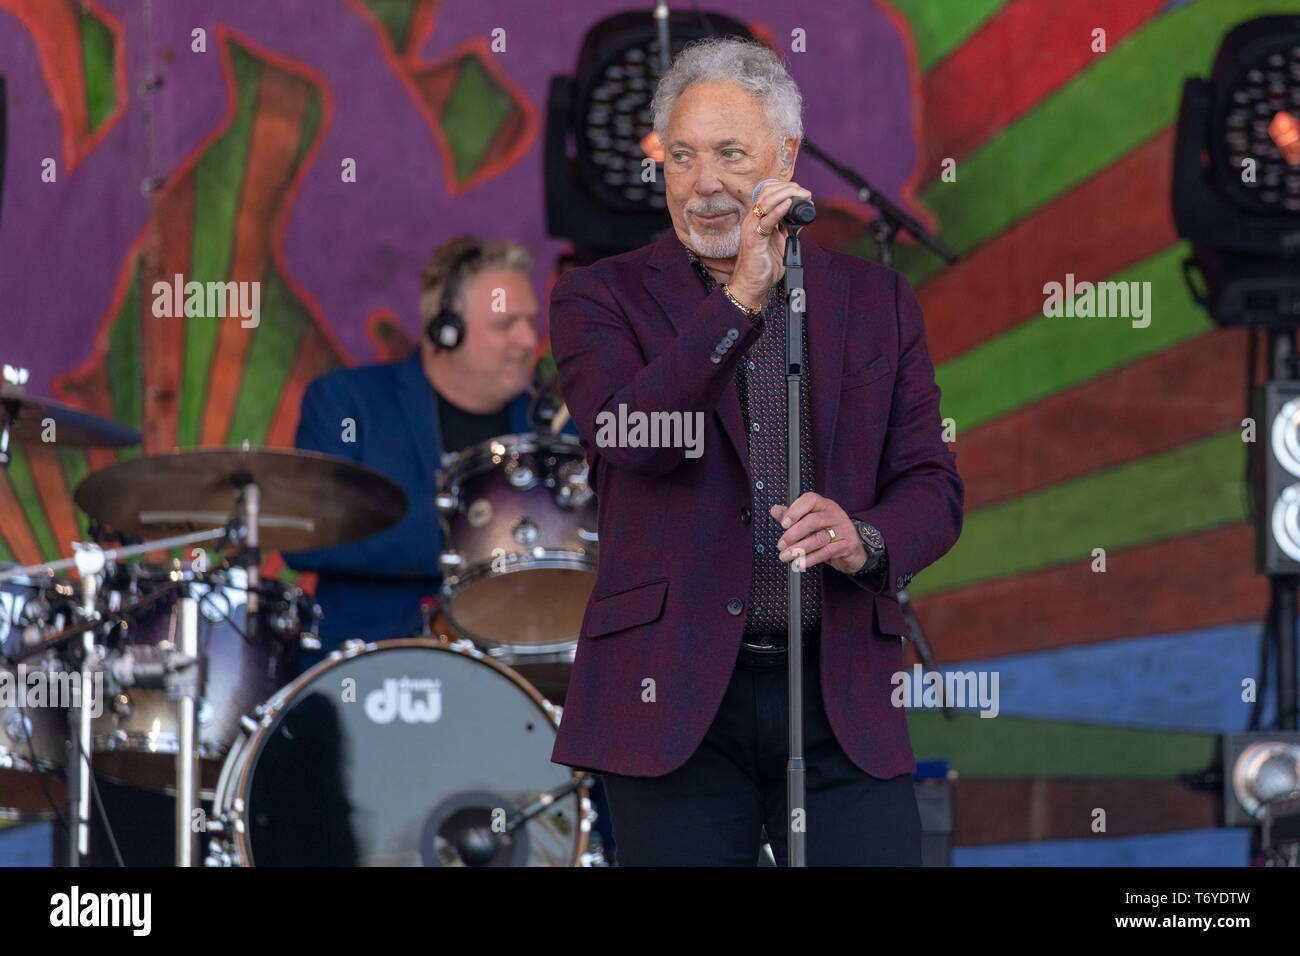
{"x": 450, "y": 560}
{"x": 248, "y": 724}
{"x": 586, "y": 535}
{"x": 447, "y": 503}
{"x": 309, "y": 642}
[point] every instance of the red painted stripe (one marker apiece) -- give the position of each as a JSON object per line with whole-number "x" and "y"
{"x": 1022, "y": 54}
{"x": 1000, "y": 284}
{"x": 52, "y": 486}
{"x": 167, "y": 254}
{"x": 14, "y": 527}
{"x": 1036, "y": 809}
{"x": 1145, "y": 589}
{"x": 1185, "y": 393}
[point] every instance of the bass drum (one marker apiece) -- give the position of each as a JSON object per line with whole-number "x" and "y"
{"x": 409, "y": 752}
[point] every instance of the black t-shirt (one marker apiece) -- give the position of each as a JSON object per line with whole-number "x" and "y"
{"x": 461, "y": 429}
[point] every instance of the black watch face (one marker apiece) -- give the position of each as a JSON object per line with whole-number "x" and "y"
{"x": 870, "y": 536}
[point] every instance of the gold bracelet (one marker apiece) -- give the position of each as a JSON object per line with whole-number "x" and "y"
{"x": 738, "y": 304}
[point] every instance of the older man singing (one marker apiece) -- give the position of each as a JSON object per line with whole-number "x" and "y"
{"x": 678, "y": 696}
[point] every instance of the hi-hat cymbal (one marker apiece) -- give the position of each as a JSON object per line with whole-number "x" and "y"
{"x": 307, "y": 500}
{"x": 72, "y": 426}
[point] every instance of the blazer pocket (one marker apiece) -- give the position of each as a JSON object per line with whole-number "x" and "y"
{"x": 617, "y": 612}
{"x": 868, "y": 374}
{"x": 889, "y": 617}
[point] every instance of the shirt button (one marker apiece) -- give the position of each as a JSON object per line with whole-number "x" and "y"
{"x": 758, "y": 548}
{"x": 758, "y": 485}
{"x": 752, "y": 366}
{"x": 734, "y": 607}
{"x": 755, "y": 426}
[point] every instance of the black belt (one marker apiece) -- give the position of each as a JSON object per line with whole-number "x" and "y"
{"x": 768, "y": 648}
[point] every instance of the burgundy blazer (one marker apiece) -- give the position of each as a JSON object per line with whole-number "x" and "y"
{"x": 676, "y": 533}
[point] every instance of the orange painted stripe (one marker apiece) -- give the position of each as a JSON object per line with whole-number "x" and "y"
{"x": 167, "y": 254}
{"x": 52, "y": 486}
{"x": 56, "y": 32}
{"x": 1080, "y": 233}
{"x": 1147, "y": 589}
{"x": 273, "y": 149}
{"x": 314, "y": 358}
{"x": 1019, "y": 57}
{"x": 14, "y": 527}
{"x": 1187, "y": 392}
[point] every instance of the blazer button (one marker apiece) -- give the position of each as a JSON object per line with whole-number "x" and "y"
{"x": 744, "y": 514}
{"x": 715, "y": 358}
{"x": 734, "y": 606}
{"x": 899, "y": 582}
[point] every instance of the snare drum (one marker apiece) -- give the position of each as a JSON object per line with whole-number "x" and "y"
{"x": 520, "y": 558}
{"x": 402, "y": 753}
{"x": 136, "y": 736}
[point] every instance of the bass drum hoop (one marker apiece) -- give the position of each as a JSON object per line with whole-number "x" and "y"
{"x": 229, "y": 804}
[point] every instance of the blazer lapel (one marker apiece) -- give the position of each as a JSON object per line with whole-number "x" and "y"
{"x": 417, "y": 400}
{"x": 678, "y": 290}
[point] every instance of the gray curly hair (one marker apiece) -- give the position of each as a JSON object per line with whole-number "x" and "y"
{"x": 747, "y": 63}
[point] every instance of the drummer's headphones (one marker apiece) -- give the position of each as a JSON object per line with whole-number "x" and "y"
{"x": 447, "y": 330}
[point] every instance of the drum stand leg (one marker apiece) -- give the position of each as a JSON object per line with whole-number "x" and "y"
{"x": 89, "y": 562}
{"x": 186, "y": 757}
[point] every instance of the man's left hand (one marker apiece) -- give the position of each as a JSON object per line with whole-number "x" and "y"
{"x": 808, "y": 524}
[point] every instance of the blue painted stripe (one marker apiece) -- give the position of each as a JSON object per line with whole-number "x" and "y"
{"x": 1188, "y": 680}
{"x": 1218, "y": 847}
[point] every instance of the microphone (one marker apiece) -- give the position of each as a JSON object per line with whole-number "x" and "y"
{"x": 801, "y": 213}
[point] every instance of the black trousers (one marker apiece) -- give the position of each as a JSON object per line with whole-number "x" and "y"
{"x": 712, "y": 810}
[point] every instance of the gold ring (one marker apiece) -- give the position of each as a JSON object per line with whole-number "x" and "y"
{"x": 758, "y": 212}
{"x": 759, "y": 230}
{"x": 831, "y": 532}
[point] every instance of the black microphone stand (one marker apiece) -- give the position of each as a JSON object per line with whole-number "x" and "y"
{"x": 795, "y": 769}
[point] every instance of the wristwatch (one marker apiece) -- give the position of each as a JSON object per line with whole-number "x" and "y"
{"x": 874, "y": 542}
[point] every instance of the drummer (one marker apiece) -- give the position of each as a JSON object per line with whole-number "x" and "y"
{"x": 466, "y": 382}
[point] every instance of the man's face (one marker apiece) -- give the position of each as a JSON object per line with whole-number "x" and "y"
{"x": 718, "y": 145}
{"x": 496, "y": 357}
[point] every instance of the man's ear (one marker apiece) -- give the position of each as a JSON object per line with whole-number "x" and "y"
{"x": 653, "y": 147}
{"x": 789, "y": 153}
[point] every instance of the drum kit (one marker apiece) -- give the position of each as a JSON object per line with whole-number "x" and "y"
{"x": 168, "y": 663}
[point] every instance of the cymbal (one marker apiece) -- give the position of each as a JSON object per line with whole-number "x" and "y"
{"x": 308, "y": 500}
{"x": 72, "y": 426}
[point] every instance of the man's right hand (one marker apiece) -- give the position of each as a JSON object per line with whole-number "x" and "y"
{"x": 760, "y": 264}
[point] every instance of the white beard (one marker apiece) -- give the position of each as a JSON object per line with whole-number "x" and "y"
{"x": 724, "y": 246}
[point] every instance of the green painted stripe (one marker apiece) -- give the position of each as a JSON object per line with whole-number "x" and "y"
{"x": 474, "y": 112}
{"x": 124, "y": 363}
{"x": 1020, "y": 747}
{"x": 940, "y": 26}
{"x": 270, "y": 356}
{"x": 6, "y": 556}
{"x": 1191, "y": 488}
{"x": 98, "y": 64}
{"x": 217, "y": 180}
{"x": 1045, "y": 354}
{"x": 394, "y": 16}
{"x": 310, "y": 124}
{"x": 75, "y": 468}
{"x": 24, "y": 484}
{"x": 1126, "y": 97}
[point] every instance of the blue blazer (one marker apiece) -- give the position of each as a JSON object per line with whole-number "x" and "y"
{"x": 371, "y": 589}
